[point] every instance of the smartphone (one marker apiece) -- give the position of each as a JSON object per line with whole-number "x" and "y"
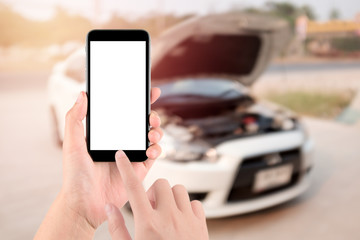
{"x": 118, "y": 85}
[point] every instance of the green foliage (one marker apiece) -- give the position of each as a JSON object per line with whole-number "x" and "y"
{"x": 308, "y": 11}
{"x": 254, "y": 10}
{"x": 346, "y": 44}
{"x": 318, "y": 104}
{"x": 289, "y": 11}
{"x": 334, "y": 14}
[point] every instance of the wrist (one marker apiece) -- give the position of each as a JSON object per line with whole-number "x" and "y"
{"x": 72, "y": 215}
{"x": 64, "y": 222}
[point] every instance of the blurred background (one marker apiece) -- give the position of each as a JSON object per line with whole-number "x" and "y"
{"x": 316, "y": 75}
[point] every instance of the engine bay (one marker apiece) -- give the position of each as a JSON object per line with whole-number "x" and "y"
{"x": 216, "y": 123}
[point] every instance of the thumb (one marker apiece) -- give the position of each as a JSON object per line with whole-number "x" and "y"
{"x": 117, "y": 227}
{"x": 74, "y": 137}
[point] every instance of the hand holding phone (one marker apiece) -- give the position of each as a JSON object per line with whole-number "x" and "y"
{"x": 88, "y": 186}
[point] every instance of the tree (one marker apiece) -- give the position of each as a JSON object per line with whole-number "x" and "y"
{"x": 334, "y": 14}
{"x": 284, "y": 10}
{"x": 289, "y": 11}
{"x": 308, "y": 11}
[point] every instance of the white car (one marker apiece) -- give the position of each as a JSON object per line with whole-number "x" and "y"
{"x": 234, "y": 153}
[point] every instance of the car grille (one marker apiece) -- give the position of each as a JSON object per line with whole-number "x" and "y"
{"x": 244, "y": 180}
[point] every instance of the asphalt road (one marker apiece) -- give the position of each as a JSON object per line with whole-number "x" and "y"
{"x": 30, "y": 176}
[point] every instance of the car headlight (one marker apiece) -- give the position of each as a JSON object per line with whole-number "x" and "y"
{"x": 191, "y": 152}
{"x": 211, "y": 155}
{"x": 283, "y": 122}
{"x": 180, "y": 144}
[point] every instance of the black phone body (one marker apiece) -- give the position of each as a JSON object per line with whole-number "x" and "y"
{"x": 118, "y": 90}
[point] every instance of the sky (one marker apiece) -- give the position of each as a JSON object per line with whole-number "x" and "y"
{"x": 101, "y": 10}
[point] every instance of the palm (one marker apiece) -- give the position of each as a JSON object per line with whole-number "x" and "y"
{"x": 99, "y": 184}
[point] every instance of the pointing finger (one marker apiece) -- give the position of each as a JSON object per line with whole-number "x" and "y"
{"x": 137, "y": 196}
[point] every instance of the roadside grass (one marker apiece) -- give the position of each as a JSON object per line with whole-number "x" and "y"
{"x": 316, "y": 104}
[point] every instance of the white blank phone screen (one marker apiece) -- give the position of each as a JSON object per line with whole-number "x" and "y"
{"x": 118, "y": 95}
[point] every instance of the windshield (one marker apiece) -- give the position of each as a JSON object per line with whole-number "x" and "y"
{"x": 211, "y": 88}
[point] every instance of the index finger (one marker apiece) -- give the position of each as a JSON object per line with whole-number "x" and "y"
{"x": 136, "y": 193}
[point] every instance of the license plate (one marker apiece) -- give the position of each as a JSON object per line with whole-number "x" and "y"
{"x": 273, "y": 177}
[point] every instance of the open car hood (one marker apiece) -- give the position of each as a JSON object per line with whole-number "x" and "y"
{"x": 233, "y": 45}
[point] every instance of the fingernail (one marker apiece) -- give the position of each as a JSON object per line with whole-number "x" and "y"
{"x": 108, "y": 209}
{"x": 80, "y": 97}
{"x": 120, "y": 154}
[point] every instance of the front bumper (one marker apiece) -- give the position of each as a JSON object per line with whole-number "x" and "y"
{"x": 258, "y": 203}
{"x": 214, "y": 181}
